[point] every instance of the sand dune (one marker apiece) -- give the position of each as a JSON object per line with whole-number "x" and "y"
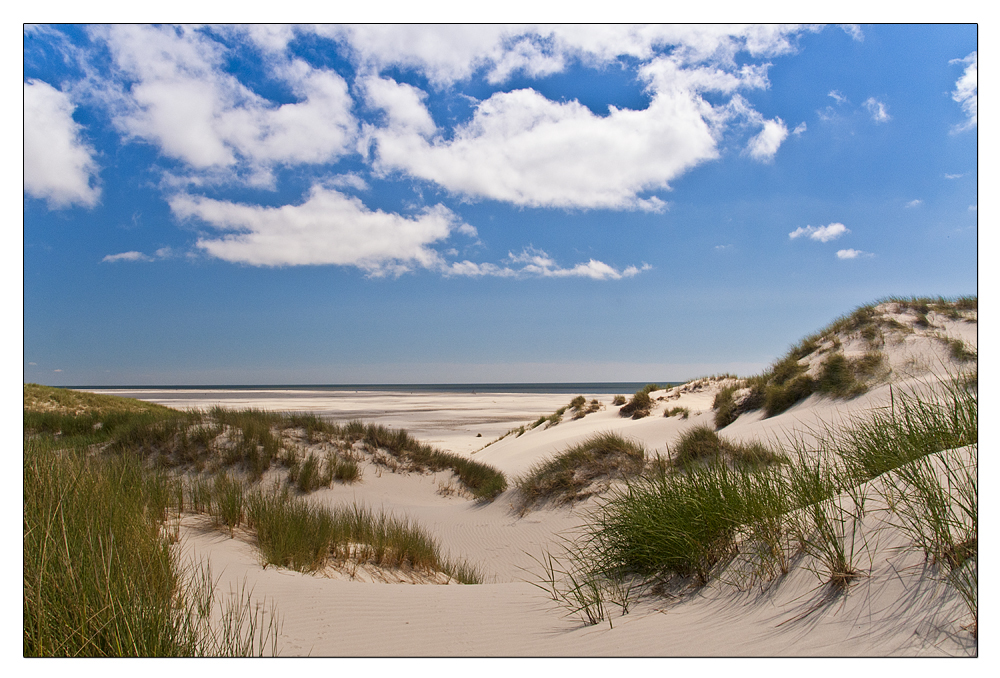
{"x": 897, "y": 607}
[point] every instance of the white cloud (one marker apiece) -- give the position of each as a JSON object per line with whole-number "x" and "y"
{"x": 820, "y": 233}
{"x": 171, "y": 89}
{"x": 448, "y": 54}
{"x": 126, "y": 256}
{"x": 953, "y": 176}
{"x": 524, "y": 149}
{"x": 799, "y": 129}
{"x": 175, "y": 94}
{"x": 854, "y": 31}
{"x": 852, "y": 254}
{"x": 973, "y": 208}
{"x": 765, "y": 145}
{"x": 967, "y": 91}
{"x": 348, "y": 180}
{"x": 531, "y": 262}
{"x": 878, "y": 110}
{"x": 59, "y": 166}
{"x": 840, "y": 98}
{"x": 915, "y": 203}
{"x": 327, "y": 228}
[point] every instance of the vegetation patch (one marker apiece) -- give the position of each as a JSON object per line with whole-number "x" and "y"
{"x": 708, "y": 518}
{"x": 570, "y": 475}
{"x": 251, "y": 441}
{"x": 701, "y": 444}
{"x": 640, "y": 404}
{"x": 302, "y": 536}
{"x": 484, "y": 481}
{"x": 787, "y": 382}
{"x": 681, "y": 412}
{"x": 100, "y": 578}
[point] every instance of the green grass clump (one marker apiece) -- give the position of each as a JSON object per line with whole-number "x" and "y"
{"x": 683, "y": 524}
{"x": 302, "y": 536}
{"x": 582, "y": 408}
{"x": 698, "y": 520}
{"x": 569, "y": 475}
{"x": 701, "y": 443}
{"x": 640, "y": 404}
{"x": 909, "y": 428}
{"x": 100, "y": 578}
{"x": 725, "y": 407}
{"x": 682, "y": 412}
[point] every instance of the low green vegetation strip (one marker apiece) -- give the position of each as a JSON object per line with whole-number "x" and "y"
{"x": 248, "y": 440}
{"x": 695, "y": 521}
{"x": 568, "y": 476}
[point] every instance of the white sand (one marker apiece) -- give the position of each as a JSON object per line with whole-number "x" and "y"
{"x": 899, "y": 606}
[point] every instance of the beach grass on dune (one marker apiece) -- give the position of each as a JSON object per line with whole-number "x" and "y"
{"x": 567, "y": 476}
{"x": 484, "y": 481}
{"x": 640, "y": 404}
{"x": 701, "y": 443}
{"x": 100, "y": 578}
{"x": 247, "y": 440}
{"x": 748, "y": 522}
{"x": 294, "y": 533}
{"x": 786, "y": 382}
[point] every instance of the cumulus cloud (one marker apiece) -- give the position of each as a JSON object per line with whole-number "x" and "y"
{"x": 836, "y": 95}
{"x": 915, "y": 203}
{"x": 174, "y": 93}
{"x": 820, "y": 233}
{"x": 448, "y": 54}
{"x": 531, "y": 262}
{"x": 852, "y": 254}
{"x": 59, "y": 165}
{"x": 522, "y": 148}
{"x": 764, "y": 146}
{"x": 878, "y": 110}
{"x": 126, "y": 256}
{"x": 799, "y": 129}
{"x": 327, "y": 228}
{"x": 967, "y": 91}
{"x": 171, "y": 88}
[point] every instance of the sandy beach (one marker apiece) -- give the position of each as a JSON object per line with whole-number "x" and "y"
{"x": 897, "y": 607}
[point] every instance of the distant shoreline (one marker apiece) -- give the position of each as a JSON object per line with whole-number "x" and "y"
{"x": 615, "y": 387}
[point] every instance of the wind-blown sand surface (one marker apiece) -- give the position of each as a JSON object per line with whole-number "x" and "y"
{"x": 896, "y": 608}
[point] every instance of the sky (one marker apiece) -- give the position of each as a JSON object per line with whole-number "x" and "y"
{"x": 461, "y": 204}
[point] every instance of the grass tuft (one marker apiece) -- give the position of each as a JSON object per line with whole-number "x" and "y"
{"x": 568, "y": 476}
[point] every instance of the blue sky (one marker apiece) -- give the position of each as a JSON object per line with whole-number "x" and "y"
{"x": 246, "y": 205}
